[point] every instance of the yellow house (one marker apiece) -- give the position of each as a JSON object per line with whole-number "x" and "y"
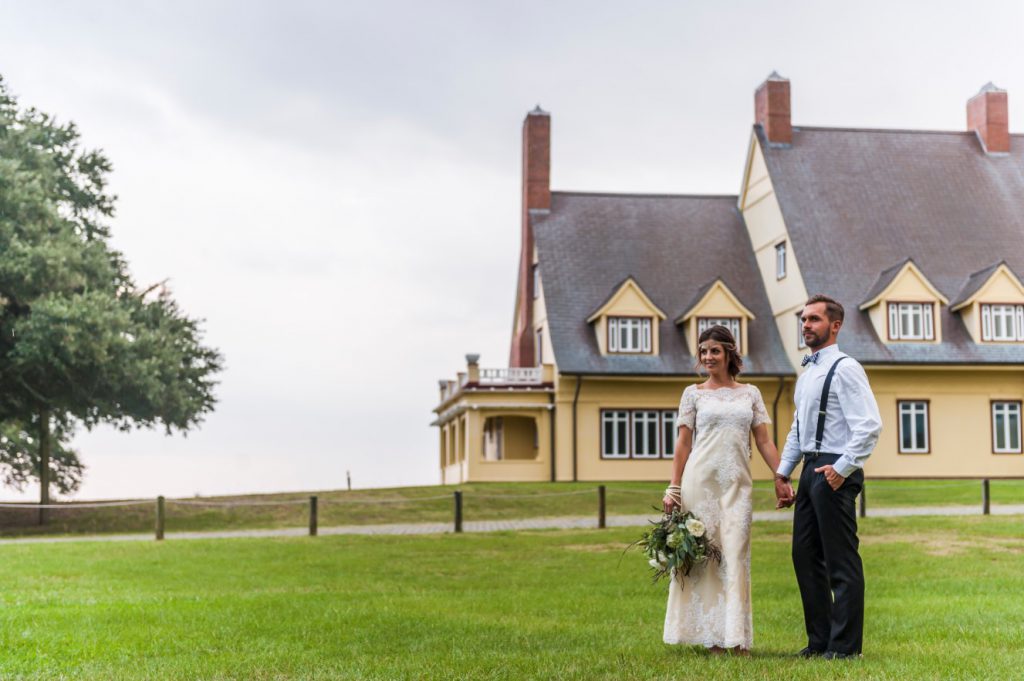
{"x": 919, "y": 234}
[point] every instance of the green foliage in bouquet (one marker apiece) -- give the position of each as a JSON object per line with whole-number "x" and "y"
{"x": 675, "y": 544}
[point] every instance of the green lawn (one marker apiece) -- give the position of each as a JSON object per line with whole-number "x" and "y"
{"x": 482, "y": 501}
{"x": 943, "y": 603}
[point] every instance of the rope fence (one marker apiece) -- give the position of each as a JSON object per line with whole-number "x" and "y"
{"x": 457, "y": 497}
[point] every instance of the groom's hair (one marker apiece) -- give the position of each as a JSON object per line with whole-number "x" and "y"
{"x": 833, "y": 309}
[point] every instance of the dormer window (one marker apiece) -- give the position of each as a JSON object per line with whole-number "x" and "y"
{"x": 629, "y": 334}
{"x": 780, "y": 260}
{"x": 1000, "y": 322}
{"x": 911, "y": 321}
{"x": 731, "y": 323}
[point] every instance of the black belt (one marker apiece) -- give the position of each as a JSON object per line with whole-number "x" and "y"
{"x": 811, "y": 456}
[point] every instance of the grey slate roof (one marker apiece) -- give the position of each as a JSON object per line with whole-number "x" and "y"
{"x": 976, "y": 281}
{"x": 884, "y": 279}
{"x": 672, "y": 246}
{"x": 857, "y": 201}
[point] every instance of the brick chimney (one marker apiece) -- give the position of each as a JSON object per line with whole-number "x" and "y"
{"x": 771, "y": 109}
{"x": 988, "y": 116}
{"x": 536, "y": 196}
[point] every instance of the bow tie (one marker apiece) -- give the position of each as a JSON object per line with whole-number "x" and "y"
{"x": 810, "y": 359}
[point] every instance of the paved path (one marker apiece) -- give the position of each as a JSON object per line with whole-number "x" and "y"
{"x": 498, "y": 525}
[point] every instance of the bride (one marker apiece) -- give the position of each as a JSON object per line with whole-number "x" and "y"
{"x": 711, "y": 478}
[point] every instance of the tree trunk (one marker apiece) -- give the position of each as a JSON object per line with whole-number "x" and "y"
{"x": 44, "y": 463}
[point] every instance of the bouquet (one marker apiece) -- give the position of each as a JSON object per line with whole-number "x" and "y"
{"x": 676, "y": 544}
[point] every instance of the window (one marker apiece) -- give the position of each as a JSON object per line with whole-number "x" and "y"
{"x": 780, "y": 260}
{"x": 911, "y": 321}
{"x": 1002, "y": 322}
{"x": 913, "y": 427}
{"x": 645, "y": 434}
{"x": 615, "y": 434}
{"x": 637, "y": 434}
{"x": 1006, "y": 427}
{"x": 801, "y": 344}
{"x": 536, "y": 281}
{"x": 493, "y": 438}
{"x": 538, "y": 347}
{"x": 629, "y": 334}
{"x": 668, "y": 434}
{"x": 731, "y": 323}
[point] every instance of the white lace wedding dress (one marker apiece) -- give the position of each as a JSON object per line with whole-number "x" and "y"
{"x": 712, "y": 608}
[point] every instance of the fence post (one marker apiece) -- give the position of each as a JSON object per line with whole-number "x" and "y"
{"x": 458, "y": 511}
{"x": 600, "y": 507}
{"x": 985, "y": 499}
{"x": 312, "y": 516}
{"x": 863, "y": 501}
{"x": 160, "y": 518}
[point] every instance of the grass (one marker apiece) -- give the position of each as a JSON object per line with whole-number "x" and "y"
{"x": 481, "y": 501}
{"x": 942, "y": 603}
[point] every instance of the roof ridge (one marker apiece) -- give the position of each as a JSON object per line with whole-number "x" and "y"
{"x": 919, "y": 131}
{"x": 646, "y": 195}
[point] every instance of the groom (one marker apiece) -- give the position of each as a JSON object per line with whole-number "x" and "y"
{"x": 835, "y": 427}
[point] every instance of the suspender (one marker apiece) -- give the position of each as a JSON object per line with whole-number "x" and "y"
{"x": 820, "y": 432}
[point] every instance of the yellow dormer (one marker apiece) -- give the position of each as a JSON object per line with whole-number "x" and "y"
{"x": 991, "y": 304}
{"x": 716, "y": 304}
{"x": 904, "y": 306}
{"x": 627, "y": 322}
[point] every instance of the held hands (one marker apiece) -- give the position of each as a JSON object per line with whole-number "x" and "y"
{"x": 835, "y": 481}
{"x": 784, "y": 495}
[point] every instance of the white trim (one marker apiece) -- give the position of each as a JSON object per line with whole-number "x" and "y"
{"x": 616, "y": 417}
{"x": 918, "y": 440}
{"x": 668, "y": 433}
{"x": 1010, "y": 411}
{"x": 641, "y": 421}
{"x": 780, "y": 260}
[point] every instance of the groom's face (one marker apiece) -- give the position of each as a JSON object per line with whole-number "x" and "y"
{"x": 817, "y": 328}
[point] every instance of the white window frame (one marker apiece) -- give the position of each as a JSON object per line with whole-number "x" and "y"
{"x": 914, "y": 408}
{"x": 801, "y": 343}
{"x": 538, "y": 346}
{"x": 780, "y": 260}
{"x": 643, "y": 421}
{"x": 904, "y": 316}
{"x": 1010, "y": 410}
{"x": 635, "y": 331}
{"x": 668, "y": 433}
{"x": 535, "y": 271}
{"x": 734, "y": 324}
{"x": 1002, "y": 322}
{"x": 612, "y": 449}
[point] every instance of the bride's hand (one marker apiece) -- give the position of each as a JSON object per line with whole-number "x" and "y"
{"x": 668, "y": 504}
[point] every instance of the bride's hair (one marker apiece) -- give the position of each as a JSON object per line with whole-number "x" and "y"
{"x": 724, "y": 337}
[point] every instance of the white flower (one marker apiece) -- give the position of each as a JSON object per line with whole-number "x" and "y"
{"x": 674, "y": 540}
{"x": 695, "y": 527}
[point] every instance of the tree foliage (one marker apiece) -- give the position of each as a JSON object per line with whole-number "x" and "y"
{"x": 80, "y": 343}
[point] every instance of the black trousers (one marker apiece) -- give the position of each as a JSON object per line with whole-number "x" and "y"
{"x": 828, "y": 567}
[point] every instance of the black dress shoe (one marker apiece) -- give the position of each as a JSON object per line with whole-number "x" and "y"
{"x": 836, "y": 655}
{"x": 810, "y": 652}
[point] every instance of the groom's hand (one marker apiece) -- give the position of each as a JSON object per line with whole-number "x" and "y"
{"x": 784, "y": 495}
{"x": 835, "y": 481}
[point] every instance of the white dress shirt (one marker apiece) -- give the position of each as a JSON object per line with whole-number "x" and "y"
{"x": 852, "y": 421}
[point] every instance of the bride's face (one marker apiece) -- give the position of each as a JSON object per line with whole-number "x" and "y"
{"x": 713, "y": 356}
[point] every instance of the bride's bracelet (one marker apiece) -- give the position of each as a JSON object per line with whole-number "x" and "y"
{"x": 674, "y": 493}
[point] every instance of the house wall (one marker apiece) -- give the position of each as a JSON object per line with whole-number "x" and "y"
{"x": 766, "y": 227}
{"x": 597, "y": 393}
{"x": 960, "y": 416}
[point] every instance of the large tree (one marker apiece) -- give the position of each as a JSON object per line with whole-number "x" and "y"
{"x": 80, "y": 343}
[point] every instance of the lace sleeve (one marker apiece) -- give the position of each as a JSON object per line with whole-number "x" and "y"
{"x": 760, "y": 413}
{"x": 687, "y": 409}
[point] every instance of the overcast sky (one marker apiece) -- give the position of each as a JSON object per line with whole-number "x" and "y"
{"x": 334, "y": 186}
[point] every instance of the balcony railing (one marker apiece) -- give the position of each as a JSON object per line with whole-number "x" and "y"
{"x": 511, "y": 376}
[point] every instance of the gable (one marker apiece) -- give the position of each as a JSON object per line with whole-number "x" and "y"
{"x": 717, "y": 301}
{"x": 908, "y": 285}
{"x": 1002, "y": 286}
{"x": 628, "y": 300}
